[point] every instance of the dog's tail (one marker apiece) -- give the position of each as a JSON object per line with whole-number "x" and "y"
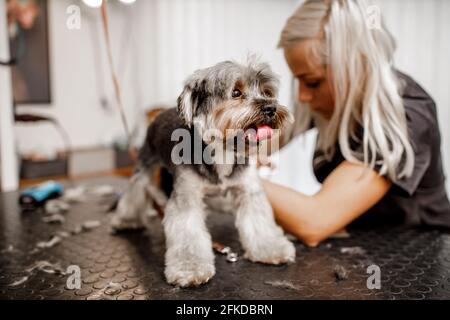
{"x": 153, "y": 113}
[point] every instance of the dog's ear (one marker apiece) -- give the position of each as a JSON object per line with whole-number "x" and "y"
{"x": 193, "y": 100}
{"x": 184, "y": 106}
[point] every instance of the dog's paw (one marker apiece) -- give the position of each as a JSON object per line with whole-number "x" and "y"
{"x": 189, "y": 274}
{"x": 273, "y": 252}
{"x": 119, "y": 223}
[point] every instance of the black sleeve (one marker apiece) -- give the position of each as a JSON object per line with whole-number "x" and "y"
{"x": 419, "y": 127}
{"x": 422, "y": 122}
{"x": 420, "y": 138}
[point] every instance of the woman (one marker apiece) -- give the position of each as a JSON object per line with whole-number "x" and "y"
{"x": 378, "y": 149}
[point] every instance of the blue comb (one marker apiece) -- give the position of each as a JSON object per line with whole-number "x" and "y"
{"x": 39, "y": 194}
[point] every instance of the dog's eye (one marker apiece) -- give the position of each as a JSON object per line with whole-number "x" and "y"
{"x": 236, "y": 93}
{"x": 268, "y": 93}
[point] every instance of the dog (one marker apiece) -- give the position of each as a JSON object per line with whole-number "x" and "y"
{"x": 228, "y": 96}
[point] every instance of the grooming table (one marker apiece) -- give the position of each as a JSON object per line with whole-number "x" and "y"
{"x": 414, "y": 264}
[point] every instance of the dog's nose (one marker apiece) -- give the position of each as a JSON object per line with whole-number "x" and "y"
{"x": 269, "y": 110}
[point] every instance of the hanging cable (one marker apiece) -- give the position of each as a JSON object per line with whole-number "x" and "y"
{"x": 132, "y": 151}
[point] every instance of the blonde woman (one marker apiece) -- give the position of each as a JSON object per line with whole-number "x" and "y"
{"x": 378, "y": 149}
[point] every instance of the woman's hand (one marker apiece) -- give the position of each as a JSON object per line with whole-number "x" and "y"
{"x": 348, "y": 192}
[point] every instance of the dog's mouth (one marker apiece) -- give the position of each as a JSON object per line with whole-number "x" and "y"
{"x": 258, "y": 132}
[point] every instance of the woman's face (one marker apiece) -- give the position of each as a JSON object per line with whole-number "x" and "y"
{"x": 315, "y": 89}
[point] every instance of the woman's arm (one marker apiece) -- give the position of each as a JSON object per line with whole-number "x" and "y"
{"x": 349, "y": 191}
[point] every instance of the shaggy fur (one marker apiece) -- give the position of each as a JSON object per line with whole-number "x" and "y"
{"x": 207, "y": 102}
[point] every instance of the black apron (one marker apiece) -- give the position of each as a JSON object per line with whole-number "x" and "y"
{"x": 420, "y": 200}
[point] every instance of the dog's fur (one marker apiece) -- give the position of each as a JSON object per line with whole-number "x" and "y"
{"x": 207, "y": 102}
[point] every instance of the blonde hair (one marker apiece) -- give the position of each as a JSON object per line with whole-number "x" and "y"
{"x": 367, "y": 90}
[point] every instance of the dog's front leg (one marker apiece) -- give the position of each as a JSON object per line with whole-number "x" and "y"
{"x": 262, "y": 239}
{"x": 189, "y": 254}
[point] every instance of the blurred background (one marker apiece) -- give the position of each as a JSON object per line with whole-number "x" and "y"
{"x": 62, "y": 73}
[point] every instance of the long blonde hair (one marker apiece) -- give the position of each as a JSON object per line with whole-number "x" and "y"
{"x": 367, "y": 91}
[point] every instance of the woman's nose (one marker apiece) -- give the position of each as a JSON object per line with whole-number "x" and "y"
{"x": 304, "y": 95}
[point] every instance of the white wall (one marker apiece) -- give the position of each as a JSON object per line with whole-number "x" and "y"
{"x": 8, "y": 162}
{"x": 158, "y": 43}
{"x": 422, "y": 30}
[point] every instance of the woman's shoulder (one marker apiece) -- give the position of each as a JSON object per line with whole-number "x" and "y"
{"x": 419, "y": 105}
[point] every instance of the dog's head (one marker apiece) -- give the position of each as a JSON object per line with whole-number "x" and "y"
{"x": 230, "y": 97}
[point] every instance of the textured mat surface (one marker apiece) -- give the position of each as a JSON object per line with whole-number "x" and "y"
{"x": 414, "y": 264}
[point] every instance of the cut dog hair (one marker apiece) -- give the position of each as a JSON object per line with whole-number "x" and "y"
{"x": 223, "y": 97}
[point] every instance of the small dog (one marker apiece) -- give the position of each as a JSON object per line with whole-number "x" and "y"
{"x": 223, "y": 97}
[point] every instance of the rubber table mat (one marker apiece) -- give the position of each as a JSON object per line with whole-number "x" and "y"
{"x": 414, "y": 264}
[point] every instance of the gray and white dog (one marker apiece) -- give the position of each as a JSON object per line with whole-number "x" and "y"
{"x": 223, "y": 97}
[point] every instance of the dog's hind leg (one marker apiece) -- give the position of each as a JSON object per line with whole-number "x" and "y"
{"x": 135, "y": 206}
{"x": 157, "y": 194}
